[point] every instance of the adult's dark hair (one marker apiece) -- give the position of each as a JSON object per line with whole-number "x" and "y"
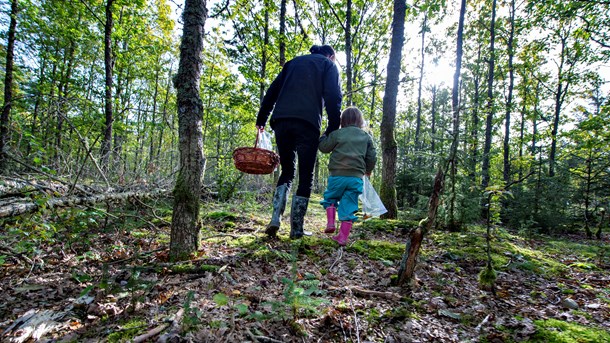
{"x": 325, "y": 50}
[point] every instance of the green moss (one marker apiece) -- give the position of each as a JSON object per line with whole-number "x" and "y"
{"x": 487, "y": 276}
{"x": 400, "y": 313}
{"x": 183, "y": 194}
{"x": 163, "y": 239}
{"x": 220, "y": 216}
{"x": 183, "y": 268}
{"x": 584, "y": 265}
{"x": 470, "y": 246}
{"x": 556, "y": 331}
{"x": 209, "y": 268}
{"x": 263, "y": 252}
{"x": 379, "y": 250}
{"x": 128, "y": 331}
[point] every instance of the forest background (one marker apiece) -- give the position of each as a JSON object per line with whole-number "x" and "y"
{"x": 90, "y": 104}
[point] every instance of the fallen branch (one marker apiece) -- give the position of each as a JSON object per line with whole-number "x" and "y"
{"x": 34, "y": 325}
{"x": 174, "y": 329}
{"x": 351, "y": 303}
{"x": 151, "y": 333}
{"x": 263, "y": 339}
{"x": 340, "y": 254}
{"x": 44, "y": 173}
{"x": 25, "y": 206}
{"x": 137, "y": 256}
{"x": 484, "y": 322}
{"x": 13, "y": 253}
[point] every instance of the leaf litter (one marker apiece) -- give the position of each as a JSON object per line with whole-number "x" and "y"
{"x": 244, "y": 288}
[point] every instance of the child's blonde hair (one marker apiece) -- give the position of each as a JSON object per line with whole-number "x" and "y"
{"x": 352, "y": 116}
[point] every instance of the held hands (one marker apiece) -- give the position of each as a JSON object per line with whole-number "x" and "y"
{"x": 260, "y": 128}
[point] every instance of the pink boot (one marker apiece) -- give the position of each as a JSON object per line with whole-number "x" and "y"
{"x": 331, "y": 211}
{"x": 341, "y": 238}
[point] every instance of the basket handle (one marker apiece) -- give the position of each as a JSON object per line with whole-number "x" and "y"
{"x": 258, "y": 134}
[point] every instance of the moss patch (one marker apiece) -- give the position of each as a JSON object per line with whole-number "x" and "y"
{"x": 556, "y": 331}
{"x": 378, "y": 250}
{"x": 128, "y": 331}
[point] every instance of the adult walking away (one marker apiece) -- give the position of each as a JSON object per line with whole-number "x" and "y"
{"x": 352, "y": 156}
{"x": 297, "y": 96}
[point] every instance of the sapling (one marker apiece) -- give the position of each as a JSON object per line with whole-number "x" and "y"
{"x": 487, "y": 276}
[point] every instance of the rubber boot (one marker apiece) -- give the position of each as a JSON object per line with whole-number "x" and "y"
{"x": 344, "y": 230}
{"x": 297, "y": 217}
{"x": 279, "y": 205}
{"x": 331, "y": 212}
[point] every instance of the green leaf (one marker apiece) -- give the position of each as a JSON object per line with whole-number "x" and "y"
{"x": 221, "y": 299}
{"x": 86, "y": 290}
{"x": 242, "y": 309}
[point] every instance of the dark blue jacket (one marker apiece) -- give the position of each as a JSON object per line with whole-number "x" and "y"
{"x": 303, "y": 88}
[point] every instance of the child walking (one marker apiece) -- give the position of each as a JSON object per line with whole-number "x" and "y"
{"x": 353, "y": 155}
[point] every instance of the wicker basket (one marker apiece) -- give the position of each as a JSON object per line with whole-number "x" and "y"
{"x": 255, "y": 160}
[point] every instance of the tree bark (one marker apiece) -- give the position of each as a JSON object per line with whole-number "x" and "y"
{"x": 474, "y": 125}
{"x": 388, "y": 120}
{"x": 348, "y": 53}
{"x": 419, "y": 88}
{"x": 263, "y": 74}
{"x": 108, "y": 65}
{"x": 8, "y": 86}
{"x": 509, "y": 101}
{"x": 413, "y": 244}
{"x": 490, "y": 99}
{"x": 282, "y": 33}
{"x": 184, "y": 238}
{"x": 559, "y": 96}
{"x": 14, "y": 208}
{"x": 455, "y": 107}
{"x": 433, "y": 120}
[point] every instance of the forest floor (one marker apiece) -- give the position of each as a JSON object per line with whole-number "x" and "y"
{"x": 91, "y": 275}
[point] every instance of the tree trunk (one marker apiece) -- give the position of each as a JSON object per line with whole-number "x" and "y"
{"x": 490, "y": 99}
{"x": 8, "y": 87}
{"x": 388, "y": 120}
{"x": 522, "y": 128}
{"x": 419, "y": 88}
{"x": 151, "y": 168}
{"x": 283, "y": 33}
{"x": 108, "y": 65}
{"x": 433, "y": 120}
{"x": 62, "y": 98}
{"x": 509, "y": 101}
{"x": 185, "y": 218}
{"x": 39, "y": 97}
{"x": 474, "y": 125}
{"x": 455, "y": 107}
{"x": 587, "y": 199}
{"x": 348, "y": 52}
{"x": 559, "y": 95}
{"x": 164, "y": 113}
{"x": 409, "y": 257}
{"x": 535, "y": 120}
{"x": 263, "y": 74}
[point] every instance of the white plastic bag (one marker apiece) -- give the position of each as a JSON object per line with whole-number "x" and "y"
{"x": 371, "y": 203}
{"x": 264, "y": 141}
